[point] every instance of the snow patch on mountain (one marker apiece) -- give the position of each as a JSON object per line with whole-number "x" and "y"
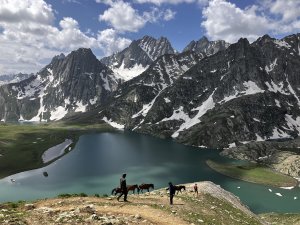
{"x": 58, "y": 113}
{"x": 270, "y": 68}
{"x": 113, "y": 124}
{"x": 202, "y": 109}
{"x": 128, "y": 73}
{"x": 80, "y": 107}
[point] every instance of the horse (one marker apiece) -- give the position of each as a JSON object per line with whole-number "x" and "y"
{"x": 146, "y": 187}
{"x": 133, "y": 187}
{"x": 179, "y": 188}
{"x": 116, "y": 190}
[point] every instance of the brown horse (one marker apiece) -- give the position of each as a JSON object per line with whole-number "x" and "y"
{"x": 146, "y": 187}
{"x": 133, "y": 187}
{"x": 129, "y": 188}
{"x": 179, "y": 188}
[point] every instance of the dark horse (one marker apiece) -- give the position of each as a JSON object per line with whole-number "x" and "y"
{"x": 146, "y": 187}
{"x": 179, "y": 188}
{"x": 129, "y": 188}
{"x": 116, "y": 191}
{"x": 133, "y": 187}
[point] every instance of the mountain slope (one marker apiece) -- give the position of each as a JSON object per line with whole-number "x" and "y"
{"x": 136, "y": 58}
{"x": 246, "y": 92}
{"x": 68, "y": 84}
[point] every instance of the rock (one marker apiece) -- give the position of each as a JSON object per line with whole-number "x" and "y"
{"x": 137, "y": 216}
{"x": 29, "y": 206}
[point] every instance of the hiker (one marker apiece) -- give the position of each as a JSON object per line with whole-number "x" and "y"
{"x": 196, "y": 190}
{"x": 172, "y": 192}
{"x": 123, "y": 188}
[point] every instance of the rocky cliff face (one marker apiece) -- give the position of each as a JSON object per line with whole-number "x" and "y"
{"x": 70, "y": 84}
{"x": 204, "y": 46}
{"x": 246, "y": 92}
{"x": 136, "y": 58}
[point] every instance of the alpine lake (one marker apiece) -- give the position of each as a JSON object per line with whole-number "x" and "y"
{"x": 97, "y": 161}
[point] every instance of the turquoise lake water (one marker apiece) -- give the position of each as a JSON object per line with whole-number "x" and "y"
{"x": 98, "y": 160}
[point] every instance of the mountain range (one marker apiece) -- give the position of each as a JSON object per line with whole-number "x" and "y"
{"x": 212, "y": 94}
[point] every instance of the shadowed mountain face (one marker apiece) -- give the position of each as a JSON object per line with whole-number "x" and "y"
{"x": 70, "y": 84}
{"x": 246, "y": 92}
{"x": 136, "y": 58}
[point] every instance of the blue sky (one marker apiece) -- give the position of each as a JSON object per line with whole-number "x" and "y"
{"x": 33, "y": 31}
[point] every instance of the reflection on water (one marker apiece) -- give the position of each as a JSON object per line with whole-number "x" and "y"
{"x": 97, "y": 161}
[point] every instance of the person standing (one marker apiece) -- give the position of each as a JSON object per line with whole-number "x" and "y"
{"x": 123, "y": 188}
{"x": 196, "y": 190}
{"x": 172, "y": 192}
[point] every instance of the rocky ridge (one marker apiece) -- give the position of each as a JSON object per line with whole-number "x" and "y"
{"x": 204, "y": 46}
{"x": 248, "y": 92}
{"x": 15, "y": 78}
{"x": 69, "y": 84}
{"x": 136, "y": 58}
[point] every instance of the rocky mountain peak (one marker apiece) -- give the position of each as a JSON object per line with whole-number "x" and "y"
{"x": 203, "y": 45}
{"x": 138, "y": 56}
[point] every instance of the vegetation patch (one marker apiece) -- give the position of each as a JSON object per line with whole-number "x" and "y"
{"x": 253, "y": 173}
{"x": 281, "y": 218}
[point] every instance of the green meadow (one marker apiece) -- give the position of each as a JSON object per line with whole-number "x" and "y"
{"x": 253, "y": 173}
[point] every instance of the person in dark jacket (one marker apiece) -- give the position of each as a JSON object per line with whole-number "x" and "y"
{"x": 123, "y": 188}
{"x": 172, "y": 192}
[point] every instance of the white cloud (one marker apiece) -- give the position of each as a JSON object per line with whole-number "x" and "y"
{"x": 123, "y": 17}
{"x": 156, "y": 15}
{"x": 29, "y": 39}
{"x": 13, "y": 11}
{"x": 110, "y": 42}
{"x": 224, "y": 20}
{"x": 169, "y": 15}
{"x": 288, "y": 9}
{"x": 160, "y": 2}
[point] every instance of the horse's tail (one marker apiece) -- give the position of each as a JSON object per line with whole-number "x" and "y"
{"x": 183, "y": 187}
{"x": 152, "y": 186}
{"x": 113, "y": 190}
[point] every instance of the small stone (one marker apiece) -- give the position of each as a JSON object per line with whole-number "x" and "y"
{"x": 174, "y": 212}
{"x": 137, "y": 216}
{"x": 201, "y": 221}
{"x": 29, "y": 206}
{"x": 109, "y": 198}
{"x": 1, "y": 216}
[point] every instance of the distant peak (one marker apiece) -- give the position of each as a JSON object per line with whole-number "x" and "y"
{"x": 204, "y": 38}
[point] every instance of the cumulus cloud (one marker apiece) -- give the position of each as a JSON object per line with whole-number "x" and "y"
{"x": 289, "y": 10}
{"x": 110, "y": 42}
{"x": 123, "y": 17}
{"x": 224, "y": 20}
{"x": 160, "y": 2}
{"x": 29, "y": 38}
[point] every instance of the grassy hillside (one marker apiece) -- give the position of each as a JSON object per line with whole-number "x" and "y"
{"x": 153, "y": 208}
{"x": 253, "y": 173}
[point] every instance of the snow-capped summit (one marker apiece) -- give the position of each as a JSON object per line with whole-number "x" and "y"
{"x": 69, "y": 84}
{"x": 138, "y": 56}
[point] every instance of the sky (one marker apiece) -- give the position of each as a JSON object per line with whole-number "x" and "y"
{"x": 32, "y": 32}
